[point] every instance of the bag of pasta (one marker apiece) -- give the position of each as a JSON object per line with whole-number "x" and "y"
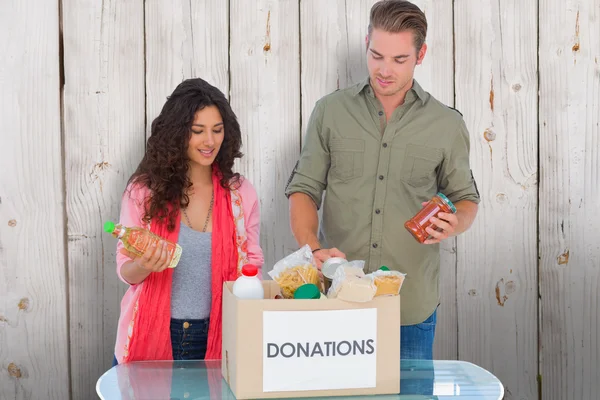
{"x": 295, "y": 270}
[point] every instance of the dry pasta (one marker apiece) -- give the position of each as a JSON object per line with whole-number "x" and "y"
{"x": 292, "y": 278}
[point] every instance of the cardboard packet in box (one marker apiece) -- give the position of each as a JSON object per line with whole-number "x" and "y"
{"x": 351, "y": 284}
{"x": 388, "y": 283}
{"x": 260, "y": 336}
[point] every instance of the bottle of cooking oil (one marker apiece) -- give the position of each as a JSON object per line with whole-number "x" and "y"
{"x": 137, "y": 240}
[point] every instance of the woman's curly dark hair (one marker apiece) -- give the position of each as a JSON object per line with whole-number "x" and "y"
{"x": 164, "y": 167}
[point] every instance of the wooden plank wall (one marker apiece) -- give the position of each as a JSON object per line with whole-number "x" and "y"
{"x": 103, "y": 127}
{"x": 496, "y": 90}
{"x": 569, "y": 124}
{"x": 265, "y": 95}
{"x": 81, "y": 82}
{"x": 34, "y": 332}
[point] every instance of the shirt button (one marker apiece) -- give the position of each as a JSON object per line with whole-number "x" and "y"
{"x": 385, "y": 145}
{"x": 378, "y": 211}
{"x": 374, "y": 245}
{"x": 186, "y": 325}
{"x": 380, "y": 113}
{"x": 380, "y": 177}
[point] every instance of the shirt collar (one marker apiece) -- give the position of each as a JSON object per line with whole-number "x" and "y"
{"x": 365, "y": 85}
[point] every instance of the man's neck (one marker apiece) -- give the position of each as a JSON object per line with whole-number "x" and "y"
{"x": 390, "y": 103}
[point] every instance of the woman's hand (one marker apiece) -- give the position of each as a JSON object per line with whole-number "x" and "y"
{"x": 155, "y": 259}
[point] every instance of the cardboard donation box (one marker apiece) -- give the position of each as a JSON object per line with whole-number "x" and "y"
{"x": 276, "y": 348}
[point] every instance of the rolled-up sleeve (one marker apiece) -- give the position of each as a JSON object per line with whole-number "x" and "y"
{"x": 310, "y": 173}
{"x": 455, "y": 178}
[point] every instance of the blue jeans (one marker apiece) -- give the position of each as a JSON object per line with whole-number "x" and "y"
{"x": 188, "y": 339}
{"x": 416, "y": 343}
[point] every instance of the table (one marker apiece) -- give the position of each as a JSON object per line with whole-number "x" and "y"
{"x": 179, "y": 380}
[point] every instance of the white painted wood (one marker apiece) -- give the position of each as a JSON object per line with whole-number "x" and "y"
{"x": 324, "y": 53}
{"x": 184, "y": 39}
{"x": 274, "y": 88}
{"x": 333, "y": 48}
{"x": 103, "y": 143}
{"x": 436, "y": 75}
{"x": 569, "y": 189}
{"x": 33, "y": 296}
{"x": 355, "y": 26}
{"x": 265, "y": 94}
{"x": 496, "y": 90}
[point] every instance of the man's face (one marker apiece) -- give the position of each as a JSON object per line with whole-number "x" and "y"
{"x": 391, "y": 59}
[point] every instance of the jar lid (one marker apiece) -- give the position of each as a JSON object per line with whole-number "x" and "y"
{"x": 447, "y": 201}
{"x": 307, "y": 291}
{"x": 330, "y": 265}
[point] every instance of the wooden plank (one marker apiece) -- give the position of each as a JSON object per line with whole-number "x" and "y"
{"x": 569, "y": 58}
{"x": 324, "y": 54}
{"x": 333, "y": 55}
{"x": 33, "y": 293}
{"x": 355, "y": 26}
{"x": 104, "y": 141}
{"x": 496, "y": 90}
{"x": 184, "y": 39}
{"x": 265, "y": 94}
{"x": 436, "y": 75}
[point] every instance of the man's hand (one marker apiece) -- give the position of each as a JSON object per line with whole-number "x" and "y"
{"x": 449, "y": 224}
{"x": 446, "y": 226}
{"x": 322, "y": 255}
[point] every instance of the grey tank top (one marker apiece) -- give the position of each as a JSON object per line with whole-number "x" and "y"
{"x": 191, "y": 294}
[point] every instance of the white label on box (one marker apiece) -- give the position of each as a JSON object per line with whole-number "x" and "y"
{"x": 319, "y": 350}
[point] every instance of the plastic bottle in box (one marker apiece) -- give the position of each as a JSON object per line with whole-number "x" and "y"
{"x": 247, "y": 285}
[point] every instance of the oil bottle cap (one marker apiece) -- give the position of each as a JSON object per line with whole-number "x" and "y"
{"x": 384, "y": 268}
{"x": 109, "y": 226}
{"x": 307, "y": 291}
{"x": 249, "y": 270}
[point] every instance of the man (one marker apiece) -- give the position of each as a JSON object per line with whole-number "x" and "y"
{"x": 381, "y": 149}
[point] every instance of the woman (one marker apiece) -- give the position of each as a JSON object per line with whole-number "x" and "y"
{"x": 185, "y": 191}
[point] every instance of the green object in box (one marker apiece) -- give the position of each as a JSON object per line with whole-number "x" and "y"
{"x": 307, "y": 291}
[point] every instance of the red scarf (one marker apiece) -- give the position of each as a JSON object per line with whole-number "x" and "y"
{"x": 151, "y": 337}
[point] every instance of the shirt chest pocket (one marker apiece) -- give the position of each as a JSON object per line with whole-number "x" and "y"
{"x": 420, "y": 164}
{"x": 347, "y": 158}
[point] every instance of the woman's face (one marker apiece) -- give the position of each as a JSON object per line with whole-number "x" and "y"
{"x": 207, "y": 136}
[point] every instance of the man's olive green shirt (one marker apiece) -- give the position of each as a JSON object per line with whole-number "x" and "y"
{"x": 376, "y": 173}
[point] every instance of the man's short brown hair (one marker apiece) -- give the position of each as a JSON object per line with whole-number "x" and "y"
{"x": 397, "y": 16}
